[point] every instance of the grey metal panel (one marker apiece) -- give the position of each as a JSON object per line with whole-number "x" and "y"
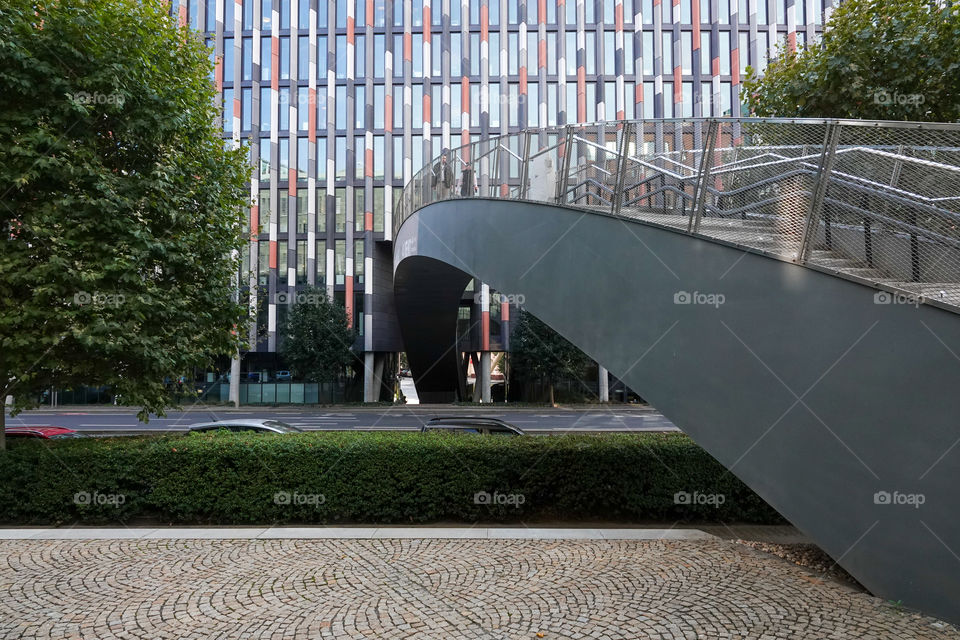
{"x": 813, "y": 394}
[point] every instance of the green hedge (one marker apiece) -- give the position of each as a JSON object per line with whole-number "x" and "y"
{"x": 227, "y": 478}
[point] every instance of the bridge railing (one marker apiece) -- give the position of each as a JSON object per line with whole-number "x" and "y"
{"x": 877, "y": 201}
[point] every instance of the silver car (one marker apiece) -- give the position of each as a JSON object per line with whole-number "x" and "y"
{"x": 247, "y": 424}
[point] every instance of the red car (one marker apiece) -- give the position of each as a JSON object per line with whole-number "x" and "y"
{"x": 45, "y": 433}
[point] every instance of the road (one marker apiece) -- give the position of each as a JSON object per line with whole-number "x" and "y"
{"x": 597, "y": 418}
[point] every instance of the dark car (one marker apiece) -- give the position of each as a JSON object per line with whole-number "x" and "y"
{"x": 44, "y": 433}
{"x": 470, "y": 424}
{"x": 256, "y": 425}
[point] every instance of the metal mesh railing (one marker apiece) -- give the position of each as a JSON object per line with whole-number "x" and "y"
{"x": 878, "y": 201}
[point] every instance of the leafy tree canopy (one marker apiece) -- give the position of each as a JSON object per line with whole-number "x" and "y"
{"x": 318, "y": 342}
{"x": 120, "y": 207}
{"x": 538, "y": 353}
{"x": 877, "y": 59}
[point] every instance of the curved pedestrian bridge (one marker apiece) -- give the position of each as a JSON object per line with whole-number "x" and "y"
{"x": 785, "y": 291}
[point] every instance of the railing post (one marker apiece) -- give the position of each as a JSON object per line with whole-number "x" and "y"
{"x": 525, "y": 165}
{"x": 827, "y": 154}
{"x": 565, "y": 166}
{"x": 703, "y": 176}
{"x": 622, "y": 168}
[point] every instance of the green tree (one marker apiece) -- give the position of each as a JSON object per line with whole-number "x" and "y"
{"x": 317, "y": 344}
{"x": 538, "y": 353}
{"x": 121, "y": 210}
{"x": 877, "y": 59}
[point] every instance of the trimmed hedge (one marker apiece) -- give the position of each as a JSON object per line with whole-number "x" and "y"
{"x": 227, "y": 478}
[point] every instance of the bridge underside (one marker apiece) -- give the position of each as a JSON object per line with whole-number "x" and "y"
{"x": 821, "y": 400}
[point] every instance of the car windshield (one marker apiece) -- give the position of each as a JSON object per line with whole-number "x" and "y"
{"x": 59, "y": 436}
{"x": 281, "y": 426}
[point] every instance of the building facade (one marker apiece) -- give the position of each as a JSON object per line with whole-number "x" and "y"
{"x": 341, "y": 101}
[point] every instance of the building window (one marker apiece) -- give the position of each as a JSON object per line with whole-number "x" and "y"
{"x": 283, "y": 209}
{"x": 321, "y": 211}
{"x": 321, "y": 263}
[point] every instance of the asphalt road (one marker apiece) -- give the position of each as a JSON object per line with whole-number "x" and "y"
{"x": 600, "y": 418}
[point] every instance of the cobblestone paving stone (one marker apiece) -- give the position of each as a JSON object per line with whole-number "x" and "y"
{"x": 449, "y": 589}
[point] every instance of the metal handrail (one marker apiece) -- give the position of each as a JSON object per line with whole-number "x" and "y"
{"x": 854, "y": 191}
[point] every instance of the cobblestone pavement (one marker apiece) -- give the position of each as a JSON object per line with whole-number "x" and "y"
{"x": 428, "y": 589}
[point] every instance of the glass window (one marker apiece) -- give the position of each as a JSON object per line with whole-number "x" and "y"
{"x": 283, "y": 210}
{"x": 570, "y": 53}
{"x": 303, "y": 14}
{"x": 378, "y": 157}
{"x": 341, "y": 57}
{"x": 456, "y": 108}
{"x": 247, "y": 59}
{"x": 263, "y": 265}
{"x": 358, "y": 259}
{"x": 397, "y": 158}
{"x": 341, "y": 9}
{"x": 265, "y": 159}
{"x": 340, "y": 261}
{"x": 359, "y": 156}
{"x": 359, "y": 105}
{"x": 744, "y": 51}
{"x": 648, "y": 100}
{"x": 436, "y": 103}
{"x": 378, "y": 204}
{"x": 706, "y": 99}
{"x": 341, "y": 122}
{"x": 303, "y": 57}
{"x": 321, "y": 108}
{"x": 266, "y": 10}
{"x": 668, "y": 100}
{"x": 609, "y": 53}
{"x": 706, "y": 61}
{"x": 398, "y": 110}
{"x": 475, "y": 54}
{"x": 264, "y": 201}
{"x": 340, "y": 213}
{"x": 646, "y": 8}
{"x": 610, "y": 100}
{"x": 512, "y": 53}
{"x": 341, "y": 159}
{"x": 378, "y": 106}
{"x": 322, "y": 56}
{"x": 687, "y": 100}
{"x": 228, "y": 110}
{"x": 359, "y": 211}
{"x": 725, "y": 53}
{"x": 417, "y": 13}
{"x": 533, "y": 104}
{"x": 532, "y": 51}
{"x": 417, "y": 106}
{"x": 379, "y": 12}
{"x": 321, "y": 263}
{"x": 301, "y": 261}
{"x": 686, "y": 52}
{"x": 265, "y": 59}
{"x": 494, "y": 10}
{"x": 228, "y": 59}
{"x": 246, "y": 109}
{"x": 282, "y": 262}
{"x": 302, "y": 162}
{"x": 494, "y": 57}
{"x": 321, "y": 158}
{"x": 456, "y": 57}
{"x": 475, "y": 104}
{"x": 418, "y": 55}
{"x": 379, "y": 54}
{"x": 284, "y": 14}
{"x": 302, "y": 211}
{"x": 284, "y": 108}
{"x": 398, "y": 53}
{"x": 667, "y": 53}
{"x": 285, "y": 58}
{"x": 551, "y": 53}
{"x": 360, "y": 53}
{"x": 321, "y": 213}
{"x": 648, "y": 53}
{"x": 494, "y": 94}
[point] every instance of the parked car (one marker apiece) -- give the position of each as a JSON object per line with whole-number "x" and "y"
{"x": 44, "y": 433}
{"x": 284, "y": 375}
{"x": 405, "y": 373}
{"x": 247, "y": 424}
{"x": 472, "y": 424}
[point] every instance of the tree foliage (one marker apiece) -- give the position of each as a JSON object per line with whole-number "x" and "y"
{"x": 120, "y": 206}
{"x": 538, "y": 353}
{"x": 318, "y": 343}
{"x": 876, "y": 60}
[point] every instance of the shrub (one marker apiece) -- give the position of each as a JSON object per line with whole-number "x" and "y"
{"x": 226, "y": 478}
